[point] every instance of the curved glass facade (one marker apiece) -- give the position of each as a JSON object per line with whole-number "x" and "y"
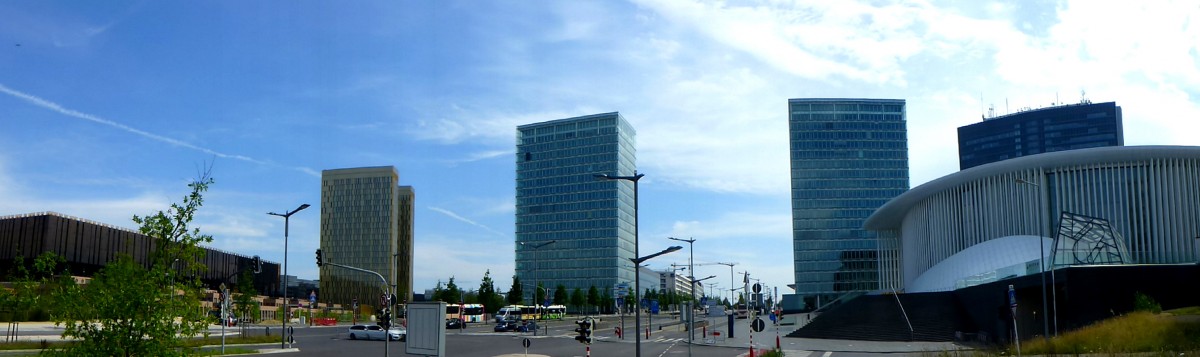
{"x": 560, "y": 199}
{"x": 848, "y": 157}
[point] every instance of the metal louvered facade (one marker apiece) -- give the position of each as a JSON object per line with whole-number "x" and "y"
{"x": 1149, "y": 194}
{"x": 88, "y": 246}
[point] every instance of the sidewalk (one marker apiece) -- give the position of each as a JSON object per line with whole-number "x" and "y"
{"x": 802, "y": 347}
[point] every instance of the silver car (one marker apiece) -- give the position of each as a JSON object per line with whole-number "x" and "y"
{"x": 374, "y": 332}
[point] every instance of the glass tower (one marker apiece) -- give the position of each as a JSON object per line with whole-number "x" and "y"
{"x": 848, "y": 158}
{"x": 366, "y": 222}
{"x": 559, "y": 199}
{"x": 1066, "y": 127}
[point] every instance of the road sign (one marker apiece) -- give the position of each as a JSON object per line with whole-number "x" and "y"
{"x": 312, "y": 296}
{"x": 525, "y": 343}
{"x": 703, "y": 300}
{"x": 653, "y": 306}
{"x": 757, "y": 325}
{"x": 1012, "y": 299}
{"x": 757, "y": 288}
{"x": 620, "y": 301}
{"x": 621, "y": 290}
{"x": 546, "y": 303}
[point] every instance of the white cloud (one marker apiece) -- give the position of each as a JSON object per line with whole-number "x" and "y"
{"x": 46, "y": 104}
{"x": 440, "y": 257}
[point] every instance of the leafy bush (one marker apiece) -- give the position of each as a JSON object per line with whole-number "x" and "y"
{"x": 1143, "y": 302}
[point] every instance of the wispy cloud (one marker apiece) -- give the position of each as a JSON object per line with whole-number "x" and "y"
{"x": 31, "y": 99}
{"x": 450, "y": 214}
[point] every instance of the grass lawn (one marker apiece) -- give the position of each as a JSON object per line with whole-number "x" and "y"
{"x": 1176, "y": 332}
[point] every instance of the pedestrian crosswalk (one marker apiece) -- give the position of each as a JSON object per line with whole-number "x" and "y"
{"x": 653, "y": 339}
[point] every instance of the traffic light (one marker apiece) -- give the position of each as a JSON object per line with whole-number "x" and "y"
{"x": 319, "y": 261}
{"x": 384, "y": 318}
{"x": 257, "y": 264}
{"x": 584, "y": 330}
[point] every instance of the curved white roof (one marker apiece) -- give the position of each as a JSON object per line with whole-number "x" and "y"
{"x": 986, "y": 257}
{"x": 892, "y": 213}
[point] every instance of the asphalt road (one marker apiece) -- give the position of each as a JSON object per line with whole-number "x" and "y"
{"x": 479, "y": 341}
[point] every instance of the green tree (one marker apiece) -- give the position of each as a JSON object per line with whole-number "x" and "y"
{"x": 132, "y": 308}
{"x": 578, "y": 299}
{"x": 246, "y": 305}
{"x": 487, "y": 294}
{"x": 25, "y": 296}
{"x": 593, "y": 296}
{"x": 438, "y": 291}
{"x": 560, "y": 295}
{"x": 452, "y": 294}
{"x": 515, "y": 295}
{"x": 607, "y": 304}
{"x": 541, "y": 294}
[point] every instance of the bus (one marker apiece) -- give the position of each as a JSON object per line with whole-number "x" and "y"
{"x": 472, "y": 312}
{"x": 555, "y": 312}
{"x": 453, "y": 311}
{"x": 530, "y": 312}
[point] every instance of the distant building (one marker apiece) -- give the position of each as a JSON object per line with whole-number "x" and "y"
{"x": 1059, "y": 128}
{"x": 367, "y": 223}
{"x": 88, "y": 246}
{"x": 559, "y": 199}
{"x": 848, "y": 158}
{"x": 673, "y": 281}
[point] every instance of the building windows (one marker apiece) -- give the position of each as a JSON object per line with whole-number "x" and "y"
{"x": 848, "y": 157}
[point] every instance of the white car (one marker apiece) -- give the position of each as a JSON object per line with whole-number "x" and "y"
{"x": 374, "y": 332}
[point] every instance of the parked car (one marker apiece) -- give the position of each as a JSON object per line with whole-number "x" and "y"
{"x": 506, "y": 326}
{"x": 375, "y": 332}
{"x": 454, "y": 323}
{"x": 527, "y": 326}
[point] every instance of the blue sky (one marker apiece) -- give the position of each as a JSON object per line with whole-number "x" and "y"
{"x": 107, "y": 109}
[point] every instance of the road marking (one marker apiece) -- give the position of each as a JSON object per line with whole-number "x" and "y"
{"x": 827, "y": 354}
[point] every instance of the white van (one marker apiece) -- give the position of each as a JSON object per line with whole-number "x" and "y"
{"x": 509, "y": 313}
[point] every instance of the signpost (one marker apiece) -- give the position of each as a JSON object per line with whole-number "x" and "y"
{"x": 1012, "y": 304}
{"x": 312, "y": 300}
{"x": 621, "y": 291}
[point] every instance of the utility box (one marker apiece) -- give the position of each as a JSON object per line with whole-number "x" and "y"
{"x": 426, "y": 329}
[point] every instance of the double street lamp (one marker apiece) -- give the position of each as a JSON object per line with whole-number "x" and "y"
{"x": 533, "y": 294}
{"x": 284, "y": 316}
{"x": 637, "y": 288}
{"x": 730, "y": 265}
{"x": 692, "y": 288}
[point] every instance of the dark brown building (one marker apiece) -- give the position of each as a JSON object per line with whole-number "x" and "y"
{"x": 88, "y": 246}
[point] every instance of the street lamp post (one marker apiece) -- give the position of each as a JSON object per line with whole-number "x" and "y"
{"x": 636, "y": 176}
{"x": 637, "y": 286}
{"x": 692, "y": 288}
{"x": 1042, "y": 267}
{"x": 533, "y": 296}
{"x": 730, "y": 265}
{"x": 691, "y": 310}
{"x": 283, "y": 324}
